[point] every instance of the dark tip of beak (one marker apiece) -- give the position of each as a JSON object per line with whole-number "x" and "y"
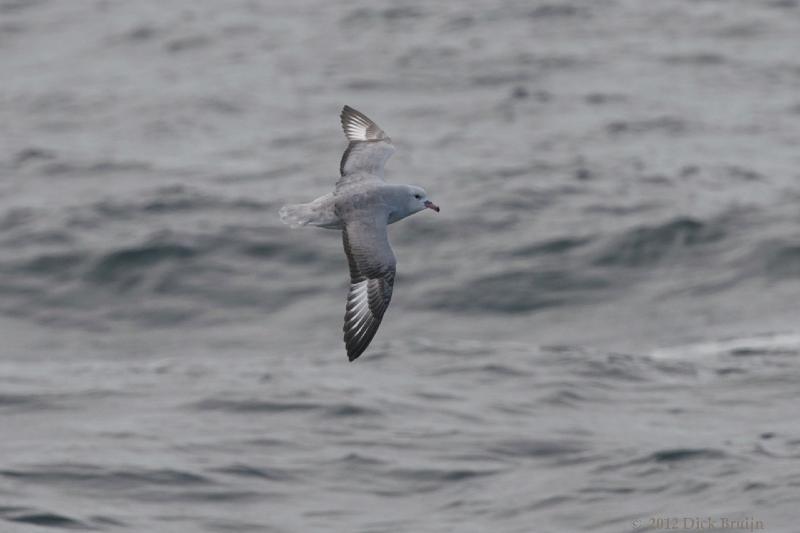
{"x": 431, "y": 205}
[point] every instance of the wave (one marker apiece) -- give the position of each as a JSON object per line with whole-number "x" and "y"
{"x": 521, "y": 291}
{"x": 266, "y": 406}
{"x": 91, "y": 476}
{"x": 45, "y": 519}
{"x": 589, "y": 268}
{"x": 646, "y": 245}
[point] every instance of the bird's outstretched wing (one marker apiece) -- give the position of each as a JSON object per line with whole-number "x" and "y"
{"x": 372, "y": 270}
{"x": 368, "y": 150}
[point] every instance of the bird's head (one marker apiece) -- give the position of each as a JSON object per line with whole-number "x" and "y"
{"x": 418, "y": 200}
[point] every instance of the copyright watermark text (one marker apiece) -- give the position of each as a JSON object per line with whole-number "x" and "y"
{"x": 699, "y": 523}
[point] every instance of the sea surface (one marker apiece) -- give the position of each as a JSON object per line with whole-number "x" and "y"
{"x": 599, "y": 332}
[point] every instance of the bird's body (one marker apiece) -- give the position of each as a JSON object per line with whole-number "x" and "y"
{"x": 362, "y": 206}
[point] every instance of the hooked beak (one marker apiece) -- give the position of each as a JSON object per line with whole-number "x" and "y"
{"x": 431, "y": 205}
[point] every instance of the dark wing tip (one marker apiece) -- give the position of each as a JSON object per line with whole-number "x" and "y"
{"x": 359, "y": 127}
{"x": 357, "y": 345}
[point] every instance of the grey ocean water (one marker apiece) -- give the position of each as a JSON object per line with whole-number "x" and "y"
{"x": 599, "y": 329}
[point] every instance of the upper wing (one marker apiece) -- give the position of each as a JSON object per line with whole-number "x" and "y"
{"x": 368, "y": 150}
{"x": 372, "y": 270}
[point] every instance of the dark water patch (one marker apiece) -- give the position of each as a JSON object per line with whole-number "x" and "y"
{"x": 520, "y": 92}
{"x": 175, "y": 199}
{"x": 428, "y": 57}
{"x": 348, "y": 410}
{"x": 248, "y": 471}
{"x": 604, "y": 98}
{"x": 539, "y": 63}
{"x": 744, "y": 174}
{"x": 611, "y": 367}
{"x": 255, "y": 406}
{"x": 562, "y": 10}
{"x": 328, "y": 513}
{"x": 34, "y": 402}
{"x": 437, "y": 396}
{"x": 294, "y": 252}
{"x": 744, "y": 30}
{"x": 221, "y": 106}
{"x": 53, "y": 520}
{"x": 18, "y": 6}
{"x": 236, "y": 526}
{"x": 100, "y": 168}
{"x": 678, "y": 455}
{"x": 459, "y": 22}
{"x": 402, "y": 12}
{"x": 396, "y": 14}
{"x": 284, "y": 172}
{"x": 564, "y": 398}
{"x": 660, "y": 180}
{"x": 365, "y": 84}
{"x": 144, "y": 32}
{"x": 462, "y": 349}
{"x": 359, "y": 459}
{"x": 668, "y": 125}
{"x": 545, "y": 503}
{"x": 16, "y": 217}
{"x": 106, "y": 521}
{"x": 264, "y": 250}
{"x": 174, "y": 272}
{"x": 551, "y": 246}
{"x": 32, "y": 154}
{"x": 57, "y": 264}
{"x": 646, "y": 245}
{"x": 621, "y": 210}
{"x": 204, "y": 496}
{"x": 424, "y": 230}
{"x": 265, "y": 442}
{"x": 789, "y": 450}
{"x": 439, "y": 475}
{"x": 761, "y": 352}
{"x": 24, "y": 239}
{"x": 537, "y": 448}
{"x": 95, "y": 477}
{"x": 687, "y": 171}
{"x": 36, "y": 517}
{"x": 9, "y": 509}
{"x": 682, "y": 369}
{"x": 11, "y": 28}
{"x": 486, "y": 370}
{"x": 780, "y": 260}
{"x": 187, "y": 43}
{"x": 699, "y": 58}
{"x": 783, "y": 4}
{"x": 519, "y": 292}
{"x": 500, "y": 78}
{"x": 384, "y": 526}
{"x": 756, "y": 486}
{"x": 584, "y": 174}
{"x": 609, "y": 490}
{"x": 149, "y": 315}
{"x": 125, "y": 267}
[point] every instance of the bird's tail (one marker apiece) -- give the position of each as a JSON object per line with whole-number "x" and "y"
{"x": 296, "y": 215}
{"x": 321, "y": 213}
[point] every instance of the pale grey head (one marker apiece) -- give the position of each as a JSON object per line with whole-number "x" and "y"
{"x": 407, "y": 200}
